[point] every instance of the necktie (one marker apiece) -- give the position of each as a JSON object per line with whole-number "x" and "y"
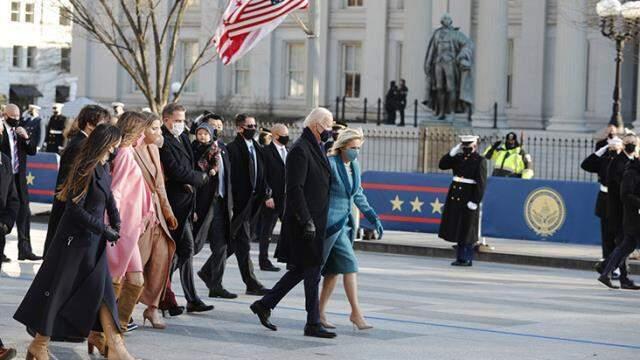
{"x": 221, "y": 177}
{"x": 15, "y": 160}
{"x": 283, "y": 155}
{"x": 252, "y": 166}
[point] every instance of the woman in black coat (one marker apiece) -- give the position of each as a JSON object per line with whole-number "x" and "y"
{"x": 72, "y": 292}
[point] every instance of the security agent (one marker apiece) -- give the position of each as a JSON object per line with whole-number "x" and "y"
{"x": 510, "y": 159}
{"x": 460, "y": 218}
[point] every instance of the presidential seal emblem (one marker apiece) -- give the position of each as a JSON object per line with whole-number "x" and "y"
{"x": 544, "y": 211}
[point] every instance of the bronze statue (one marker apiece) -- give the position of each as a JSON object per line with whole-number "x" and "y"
{"x": 448, "y": 66}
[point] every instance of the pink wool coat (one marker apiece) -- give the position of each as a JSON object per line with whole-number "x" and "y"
{"x": 135, "y": 204}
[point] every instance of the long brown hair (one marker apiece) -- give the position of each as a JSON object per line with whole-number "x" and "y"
{"x": 93, "y": 150}
{"x": 132, "y": 124}
{"x": 89, "y": 115}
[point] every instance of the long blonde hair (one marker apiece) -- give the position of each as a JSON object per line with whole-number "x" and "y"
{"x": 346, "y": 136}
{"x": 132, "y": 124}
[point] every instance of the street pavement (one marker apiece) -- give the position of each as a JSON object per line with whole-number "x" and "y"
{"x": 421, "y": 309}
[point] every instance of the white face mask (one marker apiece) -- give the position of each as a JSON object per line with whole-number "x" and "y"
{"x": 159, "y": 141}
{"x": 178, "y": 129}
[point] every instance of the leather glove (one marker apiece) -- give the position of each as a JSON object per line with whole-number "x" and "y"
{"x": 496, "y": 144}
{"x": 309, "y": 231}
{"x": 472, "y": 206}
{"x": 379, "y": 229}
{"x": 111, "y": 235}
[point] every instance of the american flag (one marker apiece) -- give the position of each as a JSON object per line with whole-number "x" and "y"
{"x": 245, "y": 22}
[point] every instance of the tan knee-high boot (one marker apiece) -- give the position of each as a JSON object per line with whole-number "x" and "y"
{"x": 117, "y": 350}
{"x": 39, "y": 348}
{"x": 99, "y": 341}
{"x": 127, "y": 302}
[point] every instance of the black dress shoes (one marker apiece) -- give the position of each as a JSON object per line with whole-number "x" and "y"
{"x": 606, "y": 281}
{"x": 173, "y": 311}
{"x": 263, "y": 314}
{"x": 462, "y": 263}
{"x": 269, "y": 267}
{"x": 222, "y": 293}
{"x": 318, "y": 331}
{"x": 257, "y": 292}
{"x": 598, "y": 267}
{"x": 5, "y": 259}
{"x": 628, "y": 284}
{"x": 198, "y": 307}
{"x": 29, "y": 256}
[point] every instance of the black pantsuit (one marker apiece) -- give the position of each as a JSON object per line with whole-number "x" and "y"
{"x": 615, "y": 213}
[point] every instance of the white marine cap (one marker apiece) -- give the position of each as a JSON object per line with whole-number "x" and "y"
{"x": 34, "y": 107}
{"x": 116, "y": 104}
{"x": 469, "y": 138}
{"x": 57, "y": 106}
{"x": 146, "y": 109}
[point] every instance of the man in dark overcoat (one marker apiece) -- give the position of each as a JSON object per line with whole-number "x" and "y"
{"x": 460, "y": 218}
{"x": 308, "y": 180}
{"x": 182, "y": 180}
{"x": 9, "y": 201}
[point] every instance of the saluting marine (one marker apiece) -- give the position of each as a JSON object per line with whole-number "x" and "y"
{"x": 460, "y": 218}
{"x": 54, "y": 141}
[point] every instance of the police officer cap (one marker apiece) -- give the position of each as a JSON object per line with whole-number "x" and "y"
{"x": 57, "y": 106}
{"x": 468, "y": 139}
{"x": 339, "y": 125}
{"x": 116, "y": 104}
{"x": 34, "y": 107}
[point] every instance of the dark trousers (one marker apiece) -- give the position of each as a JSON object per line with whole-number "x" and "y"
{"x": 311, "y": 277}
{"x": 391, "y": 116}
{"x": 23, "y": 223}
{"x": 242, "y": 243}
{"x": 268, "y": 219}
{"x": 619, "y": 256}
{"x": 213, "y": 269}
{"x": 185, "y": 266}
{"x": 608, "y": 238}
{"x": 464, "y": 252}
{"x": 3, "y": 242}
{"x": 401, "y": 116}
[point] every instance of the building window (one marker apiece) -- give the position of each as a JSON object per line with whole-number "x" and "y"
{"x": 351, "y": 70}
{"x": 354, "y": 3}
{"x": 510, "y": 57}
{"x": 32, "y": 52}
{"x": 65, "y": 59}
{"x": 29, "y": 12}
{"x": 17, "y": 56}
{"x": 189, "y": 54}
{"x": 15, "y": 11}
{"x": 241, "y": 74}
{"x": 295, "y": 59}
{"x": 65, "y": 16}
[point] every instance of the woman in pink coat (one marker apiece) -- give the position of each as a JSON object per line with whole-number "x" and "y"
{"x": 135, "y": 203}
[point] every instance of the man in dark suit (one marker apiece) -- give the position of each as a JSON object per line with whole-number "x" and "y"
{"x": 17, "y": 144}
{"x": 249, "y": 190}
{"x": 9, "y": 201}
{"x": 308, "y": 180}
{"x": 275, "y": 157}
{"x": 88, "y": 119}
{"x": 402, "y": 100}
{"x": 181, "y": 181}
{"x": 220, "y": 230}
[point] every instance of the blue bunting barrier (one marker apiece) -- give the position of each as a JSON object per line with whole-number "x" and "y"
{"x": 42, "y": 171}
{"x": 543, "y": 210}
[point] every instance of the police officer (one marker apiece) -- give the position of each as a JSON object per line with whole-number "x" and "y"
{"x": 54, "y": 141}
{"x": 337, "y": 127}
{"x": 629, "y": 198}
{"x": 509, "y": 159}
{"x": 598, "y": 163}
{"x": 460, "y": 218}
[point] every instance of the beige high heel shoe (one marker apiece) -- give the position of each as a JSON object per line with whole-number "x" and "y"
{"x": 39, "y": 348}
{"x": 360, "y": 324}
{"x": 156, "y": 321}
{"x": 326, "y": 324}
{"x": 97, "y": 340}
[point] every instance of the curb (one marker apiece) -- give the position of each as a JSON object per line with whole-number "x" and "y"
{"x": 494, "y": 257}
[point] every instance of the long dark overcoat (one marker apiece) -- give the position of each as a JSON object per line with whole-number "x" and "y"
{"x": 73, "y": 281}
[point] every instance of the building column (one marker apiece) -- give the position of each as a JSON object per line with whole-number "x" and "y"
{"x": 569, "y": 90}
{"x": 491, "y": 63}
{"x": 312, "y": 90}
{"x": 417, "y": 32}
{"x": 373, "y": 52}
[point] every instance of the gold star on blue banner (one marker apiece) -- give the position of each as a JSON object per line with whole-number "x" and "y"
{"x": 416, "y": 205}
{"x": 436, "y": 207}
{"x": 396, "y": 204}
{"x": 30, "y": 179}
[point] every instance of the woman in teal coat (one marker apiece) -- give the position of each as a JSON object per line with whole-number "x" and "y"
{"x": 338, "y": 254}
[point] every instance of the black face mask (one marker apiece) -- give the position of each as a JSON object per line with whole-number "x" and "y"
{"x": 325, "y": 135}
{"x": 512, "y": 145}
{"x": 629, "y": 148}
{"x": 467, "y": 150}
{"x": 610, "y": 136}
{"x": 12, "y": 122}
{"x": 112, "y": 156}
{"x": 284, "y": 140}
{"x": 334, "y": 135}
{"x": 249, "y": 134}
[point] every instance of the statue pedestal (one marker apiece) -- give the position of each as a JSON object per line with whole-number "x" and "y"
{"x": 456, "y": 121}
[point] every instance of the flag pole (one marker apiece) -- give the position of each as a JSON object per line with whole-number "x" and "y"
{"x": 302, "y": 25}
